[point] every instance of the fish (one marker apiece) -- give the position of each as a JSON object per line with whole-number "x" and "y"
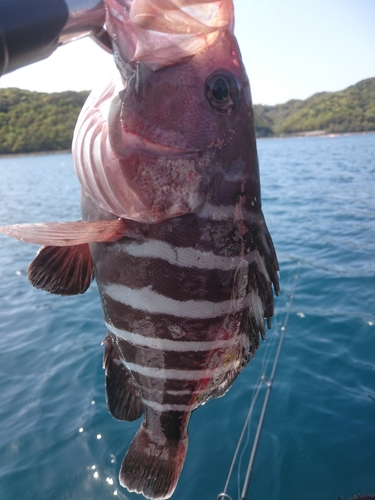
{"x": 172, "y": 227}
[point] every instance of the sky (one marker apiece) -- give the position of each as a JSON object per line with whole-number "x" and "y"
{"x": 292, "y": 49}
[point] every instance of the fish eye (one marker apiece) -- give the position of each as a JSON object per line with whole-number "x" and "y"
{"x": 223, "y": 91}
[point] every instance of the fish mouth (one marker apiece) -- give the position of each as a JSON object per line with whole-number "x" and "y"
{"x": 142, "y": 144}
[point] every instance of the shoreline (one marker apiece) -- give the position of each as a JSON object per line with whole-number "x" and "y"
{"x": 314, "y": 133}
{"x": 36, "y": 153}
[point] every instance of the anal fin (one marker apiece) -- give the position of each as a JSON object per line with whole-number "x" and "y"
{"x": 62, "y": 270}
{"x": 123, "y": 397}
{"x": 225, "y": 385}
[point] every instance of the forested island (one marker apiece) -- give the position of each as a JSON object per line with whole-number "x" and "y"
{"x": 37, "y": 121}
{"x": 349, "y": 110}
{"x": 41, "y": 122}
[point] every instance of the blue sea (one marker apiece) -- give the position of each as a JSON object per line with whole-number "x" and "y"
{"x": 57, "y": 439}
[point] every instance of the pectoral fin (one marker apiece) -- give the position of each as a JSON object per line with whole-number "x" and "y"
{"x": 62, "y": 234}
{"x": 64, "y": 265}
{"x": 62, "y": 270}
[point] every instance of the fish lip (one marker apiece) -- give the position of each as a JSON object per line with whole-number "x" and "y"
{"x": 138, "y": 143}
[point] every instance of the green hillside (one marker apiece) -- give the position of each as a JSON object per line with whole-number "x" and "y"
{"x": 349, "y": 110}
{"x": 35, "y": 121}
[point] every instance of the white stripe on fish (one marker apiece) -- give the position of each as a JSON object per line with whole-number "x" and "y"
{"x": 214, "y": 212}
{"x": 184, "y": 392}
{"x": 183, "y": 256}
{"x": 174, "y": 374}
{"x": 145, "y": 299}
{"x": 166, "y": 407}
{"x": 167, "y": 344}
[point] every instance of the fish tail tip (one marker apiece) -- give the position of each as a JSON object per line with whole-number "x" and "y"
{"x": 152, "y": 468}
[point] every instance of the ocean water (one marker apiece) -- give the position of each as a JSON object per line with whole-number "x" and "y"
{"x": 57, "y": 439}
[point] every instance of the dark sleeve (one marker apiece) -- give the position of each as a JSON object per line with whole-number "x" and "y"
{"x": 29, "y": 31}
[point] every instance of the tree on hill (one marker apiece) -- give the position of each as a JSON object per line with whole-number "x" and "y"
{"x": 349, "y": 110}
{"x": 35, "y": 121}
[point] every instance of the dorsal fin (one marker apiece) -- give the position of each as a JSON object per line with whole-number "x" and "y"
{"x": 62, "y": 270}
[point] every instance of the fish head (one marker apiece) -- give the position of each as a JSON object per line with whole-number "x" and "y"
{"x": 184, "y": 134}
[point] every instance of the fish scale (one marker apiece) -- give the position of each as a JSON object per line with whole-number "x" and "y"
{"x": 172, "y": 227}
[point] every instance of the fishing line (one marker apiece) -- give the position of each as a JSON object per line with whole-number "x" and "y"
{"x": 246, "y": 425}
{"x": 268, "y": 382}
{"x": 261, "y": 379}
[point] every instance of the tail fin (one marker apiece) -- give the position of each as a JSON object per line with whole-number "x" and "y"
{"x": 151, "y": 467}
